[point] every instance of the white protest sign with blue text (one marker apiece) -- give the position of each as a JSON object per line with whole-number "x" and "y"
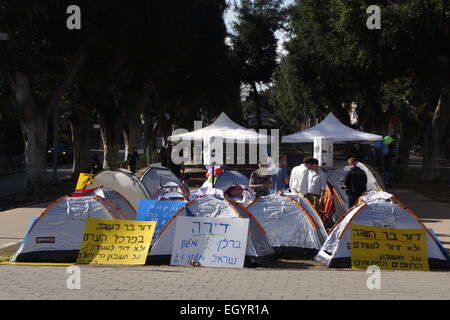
{"x": 213, "y": 242}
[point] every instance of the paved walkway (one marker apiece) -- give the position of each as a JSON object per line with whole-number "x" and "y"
{"x": 185, "y": 283}
{"x": 14, "y": 223}
{"x": 166, "y": 282}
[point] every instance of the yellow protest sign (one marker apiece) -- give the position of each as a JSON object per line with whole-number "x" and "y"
{"x": 388, "y": 248}
{"x": 116, "y": 241}
{"x": 83, "y": 180}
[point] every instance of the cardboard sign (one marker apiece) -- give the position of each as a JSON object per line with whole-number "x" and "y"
{"x": 212, "y": 242}
{"x": 83, "y": 180}
{"x": 159, "y": 211}
{"x": 108, "y": 241}
{"x": 388, "y": 248}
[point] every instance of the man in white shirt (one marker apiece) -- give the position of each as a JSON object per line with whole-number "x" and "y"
{"x": 317, "y": 182}
{"x": 298, "y": 181}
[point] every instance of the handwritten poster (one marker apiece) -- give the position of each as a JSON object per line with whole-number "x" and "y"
{"x": 108, "y": 241}
{"x": 83, "y": 180}
{"x": 388, "y": 248}
{"x": 159, "y": 211}
{"x": 212, "y": 242}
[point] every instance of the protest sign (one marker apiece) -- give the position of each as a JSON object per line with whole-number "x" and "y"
{"x": 116, "y": 241}
{"x": 83, "y": 180}
{"x": 388, "y": 248}
{"x": 159, "y": 211}
{"x": 213, "y": 242}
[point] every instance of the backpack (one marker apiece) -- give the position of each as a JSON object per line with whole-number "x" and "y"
{"x": 356, "y": 181}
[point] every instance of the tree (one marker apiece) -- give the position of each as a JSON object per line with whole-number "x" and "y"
{"x": 42, "y": 60}
{"x": 255, "y": 45}
{"x": 334, "y": 60}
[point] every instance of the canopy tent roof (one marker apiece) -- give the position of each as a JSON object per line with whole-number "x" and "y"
{"x": 225, "y": 128}
{"x": 331, "y": 127}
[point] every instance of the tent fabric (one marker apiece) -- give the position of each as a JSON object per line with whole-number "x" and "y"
{"x": 56, "y": 236}
{"x": 331, "y": 127}
{"x": 157, "y": 176}
{"x": 293, "y": 227}
{"x": 336, "y": 180}
{"x": 231, "y": 178}
{"x": 225, "y": 128}
{"x": 170, "y": 191}
{"x": 258, "y": 253}
{"x": 379, "y": 212}
{"x": 124, "y": 182}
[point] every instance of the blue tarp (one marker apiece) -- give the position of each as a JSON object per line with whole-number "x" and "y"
{"x": 444, "y": 252}
{"x": 160, "y": 211}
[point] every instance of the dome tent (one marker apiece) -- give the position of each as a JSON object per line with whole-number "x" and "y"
{"x": 377, "y": 210}
{"x": 336, "y": 180}
{"x": 124, "y": 182}
{"x": 293, "y": 227}
{"x": 56, "y": 236}
{"x": 231, "y": 178}
{"x": 258, "y": 253}
{"x": 155, "y": 177}
{"x": 170, "y": 191}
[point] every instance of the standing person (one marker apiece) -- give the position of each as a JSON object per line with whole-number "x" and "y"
{"x": 96, "y": 166}
{"x": 280, "y": 180}
{"x": 260, "y": 180}
{"x": 299, "y": 177}
{"x": 355, "y": 182}
{"x": 132, "y": 158}
{"x": 283, "y": 161}
{"x": 317, "y": 182}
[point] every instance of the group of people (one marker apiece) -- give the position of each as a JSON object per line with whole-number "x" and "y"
{"x": 309, "y": 180}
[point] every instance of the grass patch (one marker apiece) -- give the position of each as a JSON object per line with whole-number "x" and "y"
{"x": 7, "y": 252}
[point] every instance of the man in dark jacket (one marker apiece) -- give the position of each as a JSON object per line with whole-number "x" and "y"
{"x": 355, "y": 182}
{"x": 132, "y": 158}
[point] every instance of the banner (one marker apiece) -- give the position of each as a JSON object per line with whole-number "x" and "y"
{"x": 211, "y": 242}
{"x": 388, "y": 248}
{"x": 83, "y": 180}
{"x": 107, "y": 241}
{"x": 159, "y": 211}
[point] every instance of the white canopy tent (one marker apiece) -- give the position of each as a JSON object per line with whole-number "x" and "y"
{"x": 331, "y": 127}
{"x": 224, "y": 128}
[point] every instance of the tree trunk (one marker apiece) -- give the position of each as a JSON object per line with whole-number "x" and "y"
{"x": 34, "y": 128}
{"x": 435, "y": 135}
{"x": 34, "y": 121}
{"x": 130, "y": 132}
{"x": 55, "y": 143}
{"x": 257, "y": 105}
{"x": 110, "y": 128}
{"x": 408, "y": 130}
{"x": 148, "y": 136}
{"x": 81, "y": 125}
{"x": 427, "y": 168}
{"x": 439, "y": 126}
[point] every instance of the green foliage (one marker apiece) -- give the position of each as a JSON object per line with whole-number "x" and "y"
{"x": 334, "y": 59}
{"x": 254, "y": 42}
